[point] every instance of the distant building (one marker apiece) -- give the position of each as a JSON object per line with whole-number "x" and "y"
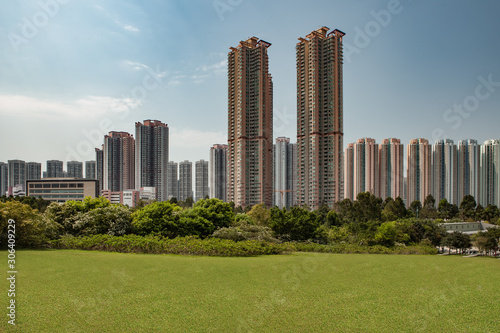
{"x": 284, "y": 172}
{"x": 391, "y": 159}
{"x": 118, "y": 161}
{"x": 185, "y": 180}
{"x": 99, "y": 155}
{"x": 250, "y": 129}
{"x": 469, "y": 153}
{"x": 16, "y": 191}
{"x": 74, "y": 169}
{"x": 469, "y": 228}
{"x": 4, "y": 178}
{"x": 173, "y": 181}
{"x": 320, "y": 118}
{"x": 201, "y": 179}
{"x": 218, "y": 172}
{"x": 445, "y": 171}
{"x": 361, "y": 168}
{"x": 54, "y": 169}
{"x": 33, "y": 170}
{"x": 151, "y": 154}
{"x": 17, "y": 173}
{"x": 490, "y": 174}
{"x": 418, "y": 171}
{"x": 91, "y": 169}
{"x": 62, "y": 189}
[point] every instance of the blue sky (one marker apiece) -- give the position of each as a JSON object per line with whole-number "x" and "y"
{"x": 73, "y": 70}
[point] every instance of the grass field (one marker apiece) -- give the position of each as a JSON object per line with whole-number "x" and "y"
{"x": 83, "y": 291}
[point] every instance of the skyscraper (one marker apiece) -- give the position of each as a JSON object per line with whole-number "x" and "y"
{"x": 75, "y": 169}
{"x": 218, "y": 171}
{"x": 349, "y": 172}
{"x": 363, "y": 168}
{"x": 320, "y": 118}
{"x": 185, "y": 180}
{"x": 284, "y": 172}
{"x": 4, "y": 178}
{"x": 99, "y": 157}
{"x": 54, "y": 169}
{"x": 391, "y": 169}
{"x": 91, "y": 169}
{"x": 173, "y": 181}
{"x": 490, "y": 174}
{"x": 201, "y": 179}
{"x": 33, "y": 171}
{"x": 151, "y": 156}
{"x": 17, "y": 173}
{"x": 250, "y": 124}
{"x": 468, "y": 169}
{"x": 444, "y": 171}
{"x": 418, "y": 171}
{"x": 118, "y": 161}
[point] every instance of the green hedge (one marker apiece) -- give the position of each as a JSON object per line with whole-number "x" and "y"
{"x": 181, "y": 245}
{"x": 353, "y": 248}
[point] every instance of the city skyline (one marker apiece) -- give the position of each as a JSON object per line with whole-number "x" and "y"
{"x": 413, "y": 59}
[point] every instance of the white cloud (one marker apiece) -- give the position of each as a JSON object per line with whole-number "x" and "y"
{"x": 130, "y": 28}
{"x": 217, "y": 68}
{"x": 83, "y": 108}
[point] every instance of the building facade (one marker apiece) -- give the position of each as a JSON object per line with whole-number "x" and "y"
{"x": 91, "y": 169}
{"x": 201, "y": 180}
{"x": 218, "y": 172}
{"x": 173, "y": 180}
{"x": 151, "y": 156}
{"x": 390, "y": 165}
{"x": 74, "y": 169}
{"x": 33, "y": 170}
{"x": 284, "y": 172}
{"x": 99, "y": 156}
{"x": 320, "y": 118}
{"x": 54, "y": 169}
{"x": 17, "y": 173}
{"x": 4, "y": 178}
{"x": 445, "y": 171}
{"x": 489, "y": 174}
{"x": 62, "y": 189}
{"x": 418, "y": 171}
{"x": 468, "y": 155}
{"x": 250, "y": 124}
{"x": 185, "y": 180}
{"x": 118, "y": 161}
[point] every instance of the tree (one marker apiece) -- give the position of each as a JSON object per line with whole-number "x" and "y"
{"x": 260, "y": 214}
{"x": 159, "y": 217}
{"x": 218, "y": 212}
{"x": 468, "y": 207}
{"x": 490, "y": 213}
{"x": 457, "y": 240}
{"x": 479, "y": 213}
{"x": 394, "y": 209}
{"x": 298, "y": 224}
{"x": 429, "y": 209}
{"x": 113, "y": 220}
{"x": 446, "y": 210}
{"x": 416, "y": 207}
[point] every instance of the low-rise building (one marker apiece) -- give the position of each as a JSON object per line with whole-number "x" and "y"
{"x": 62, "y": 189}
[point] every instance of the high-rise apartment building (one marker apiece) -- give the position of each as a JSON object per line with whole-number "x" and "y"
{"x": 54, "y": 169}
{"x": 201, "y": 179}
{"x": 390, "y": 156}
{"x": 185, "y": 180}
{"x": 320, "y": 118}
{"x": 284, "y": 172}
{"x": 91, "y": 169}
{"x": 362, "y": 165}
{"x": 99, "y": 157}
{"x": 418, "y": 171}
{"x": 17, "y": 173}
{"x": 173, "y": 181}
{"x": 490, "y": 174}
{"x": 118, "y": 161}
{"x": 218, "y": 172}
{"x": 75, "y": 169}
{"x": 33, "y": 171}
{"x": 151, "y": 156}
{"x": 349, "y": 172}
{"x": 445, "y": 171}
{"x": 4, "y": 178}
{"x": 468, "y": 169}
{"x": 250, "y": 124}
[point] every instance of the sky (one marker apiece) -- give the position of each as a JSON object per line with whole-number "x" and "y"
{"x": 73, "y": 70}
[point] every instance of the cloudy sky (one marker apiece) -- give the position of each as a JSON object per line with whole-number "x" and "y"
{"x": 72, "y": 70}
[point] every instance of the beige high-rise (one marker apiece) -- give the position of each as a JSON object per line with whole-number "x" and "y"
{"x": 362, "y": 171}
{"x": 320, "y": 118}
{"x": 418, "y": 170}
{"x": 250, "y": 124}
{"x": 391, "y": 169}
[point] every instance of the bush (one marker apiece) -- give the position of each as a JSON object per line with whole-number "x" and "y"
{"x": 114, "y": 220}
{"x": 180, "y": 245}
{"x": 159, "y": 217}
{"x": 245, "y": 231}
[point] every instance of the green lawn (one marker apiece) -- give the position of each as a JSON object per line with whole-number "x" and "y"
{"x": 82, "y": 291}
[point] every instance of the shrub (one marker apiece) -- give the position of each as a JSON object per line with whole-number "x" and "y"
{"x": 114, "y": 220}
{"x": 245, "y": 231}
{"x": 159, "y": 217}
